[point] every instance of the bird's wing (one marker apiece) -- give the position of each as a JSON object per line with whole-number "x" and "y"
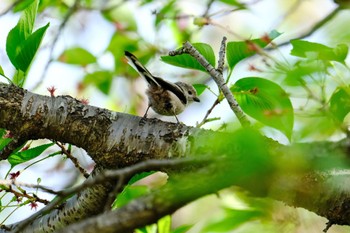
{"x": 173, "y": 88}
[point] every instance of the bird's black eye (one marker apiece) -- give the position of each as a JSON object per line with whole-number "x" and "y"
{"x": 190, "y": 92}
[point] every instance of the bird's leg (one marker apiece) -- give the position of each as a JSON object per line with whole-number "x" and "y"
{"x": 145, "y": 115}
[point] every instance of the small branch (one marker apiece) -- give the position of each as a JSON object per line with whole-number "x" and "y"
{"x": 73, "y": 159}
{"x": 21, "y": 184}
{"x": 314, "y": 28}
{"x": 217, "y": 101}
{"x": 207, "y": 9}
{"x": 217, "y": 76}
{"x": 106, "y": 176}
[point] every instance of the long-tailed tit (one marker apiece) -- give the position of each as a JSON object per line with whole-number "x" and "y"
{"x": 165, "y": 98}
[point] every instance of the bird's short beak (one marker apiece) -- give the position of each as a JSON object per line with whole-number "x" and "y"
{"x": 196, "y": 99}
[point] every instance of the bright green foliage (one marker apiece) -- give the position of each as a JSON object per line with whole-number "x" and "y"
{"x": 120, "y": 16}
{"x": 130, "y": 193}
{"x": 266, "y": 102}
{"x": 233, "y": 219}
{"x": 311, "y": 50}
{"x": 77, "y": 56}
{"x": 169, "y": 10}
{"x": 340, "y": 103}
{"x": 22, "y": 44}
{"x": 200, "y": 88}
{"x": 2, "y": 71}
{"x": 100, "y": 79}
{"x": 233, "y": 3}
{"x": 121, "y": 42}
{"x": 26, "y": 155}
{"x": 164, "y": 225}
{"x": 239, "y": 50}
{"x": 303, "y": 71}
{"x": 187, "y": 61}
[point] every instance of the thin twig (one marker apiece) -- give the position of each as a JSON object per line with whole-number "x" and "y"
{"x": 73, "y": 159}
{"x": 217, "y": 101}
{"x": 217, "y": 76}
{"x": 207, "y": 9}
{"x": 314, "y": 28}
{"x": 21, "y": 184}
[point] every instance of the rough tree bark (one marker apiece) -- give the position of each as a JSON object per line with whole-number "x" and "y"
{"x": 117, "y": 140}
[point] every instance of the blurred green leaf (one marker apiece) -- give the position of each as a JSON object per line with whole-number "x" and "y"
{"x": 234, "y": 3}
{"x": 303, "y": 70}
{"x": 121, "y": 42}
{"x": 340, "y": 103}
{"x": 239, "y": 50}
{"x": 187, "y": 61}
{"x": 21, "y": 5}
{"x": 26, "y": 155}
{"x": 130, "y": 193}
{"x": 122, "y": 17}
{"x": 181, "y": 229}
{"x": 102, "y": 80}
{"x": 266, "y": 102}
{"x": 311, "y": 50}
{"x": 232, "y": 220}
{"x": 164, "y": 224}
{"x": 21, "y": 43}
{"x": 2, "y": 71}
{"x": 77, "y": 56}
{"x": 200, "y": 88}
{"x": 168, "y": 11}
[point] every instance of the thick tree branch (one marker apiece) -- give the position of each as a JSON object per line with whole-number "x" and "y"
{"x": 117, "y": 140}
{"x": 111, "y": 139}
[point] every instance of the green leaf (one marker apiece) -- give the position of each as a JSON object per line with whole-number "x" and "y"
{"x": 77, "y": 56}
{"x": 2, "y": 72}
{"x": 232, "y": 220}
{"x": 181, "y": 229}
{"x": 168, "y": 11}
{"x": 239, "y": 50}
{"x": 200, "y": 88}
{"x": 187, "y": 61}
{"x": 29, "y": 47}
{"x": 21, "y": 32}
{"x": 302, "y": 71}
{"x": 100, "y": 79}
{"x": 340, "y": 103}
{"x": 234, "y": 3}
{"x": 311, "y": 50}
{"x": 129, "y": 193}
{"x": 266, "y": 102}
{"x": 164, "y": 224}
{"x": 26, "y": 155}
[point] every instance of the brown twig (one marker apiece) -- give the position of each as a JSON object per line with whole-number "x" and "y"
{"x": 73, "y": 159}
{"x": 217, "y": 76}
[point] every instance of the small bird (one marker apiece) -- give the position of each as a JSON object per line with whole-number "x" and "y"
{"x": 165, "y": 98}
